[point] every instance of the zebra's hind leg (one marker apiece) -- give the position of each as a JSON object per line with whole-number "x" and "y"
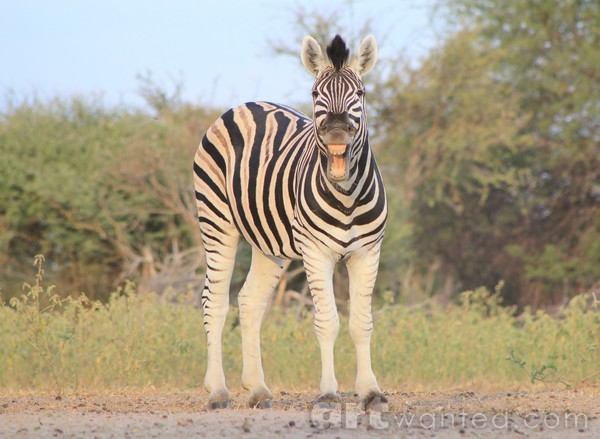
{"x": 263, "y": 276}
{"x": 220, "y": 259}
{"x": 362, "y": 271}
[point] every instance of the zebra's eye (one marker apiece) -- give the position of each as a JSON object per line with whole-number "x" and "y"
{"x": 315, "y": 94}
{"x": 360, "y": 93}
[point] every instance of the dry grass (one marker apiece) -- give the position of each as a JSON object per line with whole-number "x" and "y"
{"x": 144, "y": 342}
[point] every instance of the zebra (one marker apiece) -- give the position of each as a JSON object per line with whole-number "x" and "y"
{"x": 294, "y": 188}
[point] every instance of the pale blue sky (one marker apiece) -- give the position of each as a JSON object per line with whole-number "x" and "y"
{"x": 218, "y": 49}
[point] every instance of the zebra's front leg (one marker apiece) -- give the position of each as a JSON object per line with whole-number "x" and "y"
{"x": 362, "y": 272}
{"x": 263, "y": 276}
{"x": 319, "y": 272}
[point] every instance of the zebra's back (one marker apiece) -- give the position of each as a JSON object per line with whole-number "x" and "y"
{"x": 244, "y": 174}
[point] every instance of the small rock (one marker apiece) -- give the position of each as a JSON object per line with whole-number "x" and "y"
{"x": 246, "y": 425}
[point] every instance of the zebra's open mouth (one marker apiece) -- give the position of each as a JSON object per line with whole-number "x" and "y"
{"x": 337, "y": 162}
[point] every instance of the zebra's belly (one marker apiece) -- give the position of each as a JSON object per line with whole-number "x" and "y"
{"x": 334, "y": 242}
{"x": 286, "y": 248}
{"x": 337, "y": 245}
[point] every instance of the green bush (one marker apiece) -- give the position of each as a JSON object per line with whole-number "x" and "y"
{"x": 105, "y": 194}
{"x": 489, "y": 150}
{"x": 494, "y": 140}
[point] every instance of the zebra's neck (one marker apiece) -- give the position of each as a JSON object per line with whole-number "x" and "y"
{"x": 360, "y": 173}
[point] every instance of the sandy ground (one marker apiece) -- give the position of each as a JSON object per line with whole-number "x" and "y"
{"x": 562, "y": 414}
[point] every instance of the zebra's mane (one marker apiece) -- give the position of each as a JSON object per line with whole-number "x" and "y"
{"x": 338, "y": 53}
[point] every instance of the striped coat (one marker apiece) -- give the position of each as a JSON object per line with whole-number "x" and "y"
{"x": 294, "y": 188}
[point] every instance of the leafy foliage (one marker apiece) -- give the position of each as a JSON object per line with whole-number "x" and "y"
{"x": 103, "y": 193}
{"x": 489, "y": 150}
{"x": 496, "y": 142}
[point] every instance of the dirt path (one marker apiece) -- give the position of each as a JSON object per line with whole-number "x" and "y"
{"x": 412, "y": 414}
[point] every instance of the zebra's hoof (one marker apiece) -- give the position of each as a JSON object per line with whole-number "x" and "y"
{"x": 328, "y": 401}
{"x": 375, "y": 402}
{"x": 218, "y": 404}
{"x": 264, "y": 404}
{"x": 219, "y": 400}
{"x": 261, "y": 399}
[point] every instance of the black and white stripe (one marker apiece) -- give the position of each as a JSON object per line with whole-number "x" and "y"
{"x": 265, "y": 172}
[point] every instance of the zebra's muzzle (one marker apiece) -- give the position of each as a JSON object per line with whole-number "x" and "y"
{"x": 337, "y": 132}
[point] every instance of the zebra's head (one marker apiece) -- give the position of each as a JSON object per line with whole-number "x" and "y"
{"x": 339, "y": 100}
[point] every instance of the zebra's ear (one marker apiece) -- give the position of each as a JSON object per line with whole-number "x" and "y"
{"x": 312, "y": 56}
{"x": 367, "y": 56}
